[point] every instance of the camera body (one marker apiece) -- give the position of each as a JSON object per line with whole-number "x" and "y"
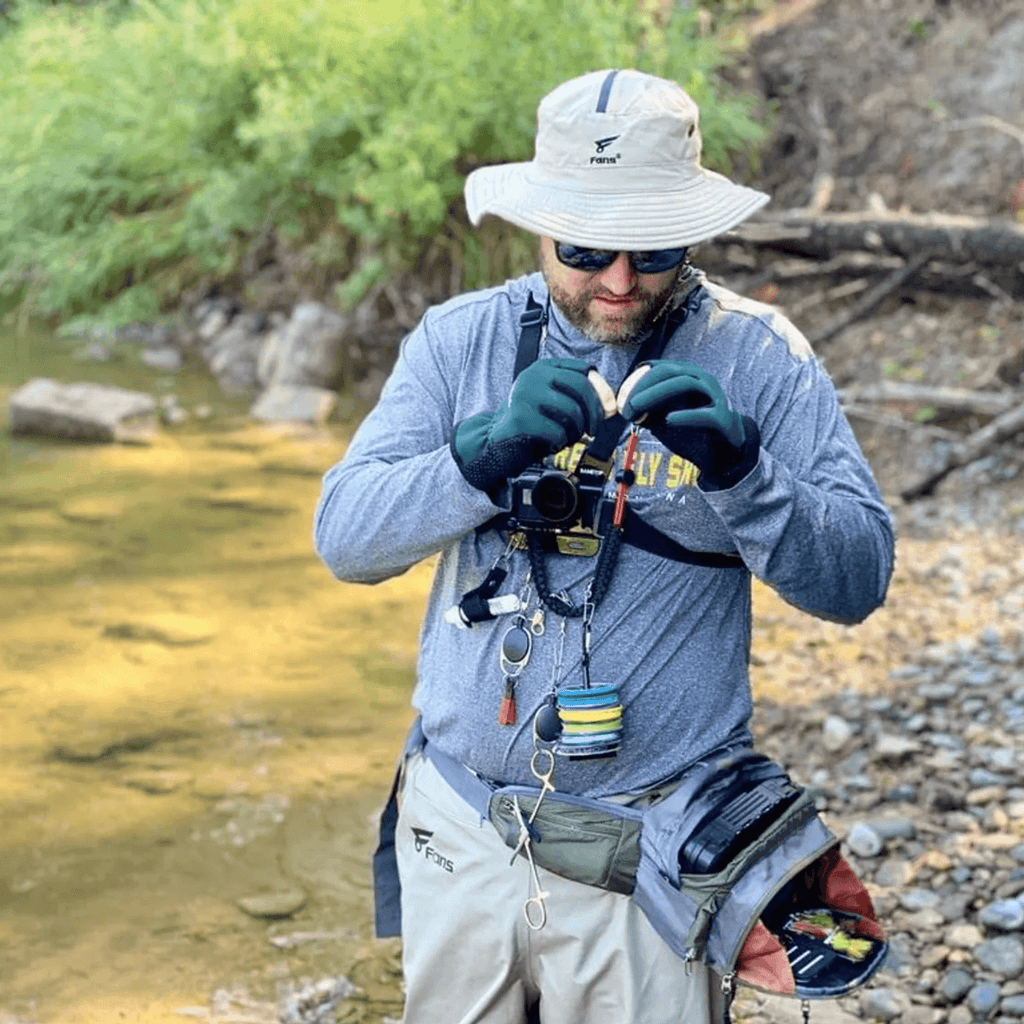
{"x": 564, "y": 504}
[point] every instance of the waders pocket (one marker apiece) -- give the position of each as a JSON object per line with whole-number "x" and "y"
{"x": 574, "y": 837}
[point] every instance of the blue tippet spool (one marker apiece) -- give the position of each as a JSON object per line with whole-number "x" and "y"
{"x": 583, "y": 711}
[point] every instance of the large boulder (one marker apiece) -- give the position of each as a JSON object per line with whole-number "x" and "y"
{"x": 83, "y": 412}
{"x": 232, "y": 349}
{"x": 295, "y": 403}
{"x": 307, "y": 350}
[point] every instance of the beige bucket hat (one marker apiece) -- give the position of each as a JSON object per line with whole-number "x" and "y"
{"x": 616, "y": 166}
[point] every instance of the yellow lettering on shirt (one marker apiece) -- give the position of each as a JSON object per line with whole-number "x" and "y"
{"x": 640, "y": 468}
{"x": 681, "y": 472}
{"x": 653, "y": 465}
{"x": 568, "y": 458}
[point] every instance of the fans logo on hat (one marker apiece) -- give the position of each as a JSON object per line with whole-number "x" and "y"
{"x": 601, "y": 145}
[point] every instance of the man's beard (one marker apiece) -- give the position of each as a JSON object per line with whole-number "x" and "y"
{"x": 626, "y": 329}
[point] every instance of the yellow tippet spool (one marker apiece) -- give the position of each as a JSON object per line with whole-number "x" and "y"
{"x": 591, "y": 714}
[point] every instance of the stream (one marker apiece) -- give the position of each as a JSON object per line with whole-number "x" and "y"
{"x": 193, "y": 713}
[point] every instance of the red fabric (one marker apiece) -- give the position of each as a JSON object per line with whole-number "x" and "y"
{"x": 829, "y": 882}
{"x": 763, "y": 963}
{"x": 834, "y": 879}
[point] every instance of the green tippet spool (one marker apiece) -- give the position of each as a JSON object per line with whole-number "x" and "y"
{"x": 591, "y": 720}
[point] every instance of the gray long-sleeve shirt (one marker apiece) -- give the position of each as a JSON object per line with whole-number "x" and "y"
{"x": 675, "y": 638}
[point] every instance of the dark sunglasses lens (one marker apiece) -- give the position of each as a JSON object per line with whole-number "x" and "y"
{"x": 578, "y": 258}
{"x": 656, "y": 261}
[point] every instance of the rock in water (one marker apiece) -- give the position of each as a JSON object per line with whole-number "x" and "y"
{"x": 83, "y": 412}
{"x": 295, "y": 403}
{"x": 273, "y": 905}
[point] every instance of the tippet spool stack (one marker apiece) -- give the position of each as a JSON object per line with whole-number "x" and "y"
{"x": 591, "y": 718}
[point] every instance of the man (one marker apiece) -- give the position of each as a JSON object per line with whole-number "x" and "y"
{"x": 662, "y": 623}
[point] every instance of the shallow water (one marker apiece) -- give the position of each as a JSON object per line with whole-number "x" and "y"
{"x": 191, "y": 711}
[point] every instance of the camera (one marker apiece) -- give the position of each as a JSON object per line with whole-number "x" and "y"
{"x": 564, "y": 504}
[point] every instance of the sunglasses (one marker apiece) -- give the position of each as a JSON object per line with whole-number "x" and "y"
{"x": 656, "y": 261}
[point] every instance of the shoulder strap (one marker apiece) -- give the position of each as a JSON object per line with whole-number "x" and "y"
{"x": 641, "y": 534}
{"x": 637, "y": 532}
{"x": 531, "y": 325}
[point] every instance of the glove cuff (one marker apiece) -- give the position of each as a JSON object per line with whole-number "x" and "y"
{"x": 723, "y": 476}
{"x": 484, "y": 463}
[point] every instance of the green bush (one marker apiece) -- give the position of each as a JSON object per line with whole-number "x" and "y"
{"x": 144, "y": 151}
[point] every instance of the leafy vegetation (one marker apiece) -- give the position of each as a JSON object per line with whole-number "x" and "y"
{"x": 145, "y": 150}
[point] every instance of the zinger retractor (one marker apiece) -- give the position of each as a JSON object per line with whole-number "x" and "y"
{"x": 515, "y": 653}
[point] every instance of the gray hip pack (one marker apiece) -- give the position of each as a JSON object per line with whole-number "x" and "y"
{"x": 704, "y": 863}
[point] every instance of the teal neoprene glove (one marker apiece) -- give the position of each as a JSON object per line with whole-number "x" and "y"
{"x": 552, "y": 405}
{"x": 687, "y": 411}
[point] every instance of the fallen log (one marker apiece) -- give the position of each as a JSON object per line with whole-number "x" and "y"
{"x": 981, "y": 403}
{"x": 872, "y": 415}
{"x": 989, "y": 241}
{"x": 977, "y": 445}
{"x": 867, "y": 302}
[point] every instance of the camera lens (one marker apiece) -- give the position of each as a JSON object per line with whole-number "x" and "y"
{"x": 555, "y": 497}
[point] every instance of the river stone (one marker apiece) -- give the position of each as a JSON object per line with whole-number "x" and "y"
{"x": 955, "y": 984}
{"x": 979, "y": 778}
{"x": 83, "y": 412}
{"x": 167, "y": 628}
{"x": 232, "y": 355}
{"x": 954, "y": 906}
{"x": 157, "y": 781}
{"x": 294, "y": 403}
{"x": 893, "y": 828}
{"x": 961, "y": 1014}
{"x": 864, "y": 841}
{"x": 892, "y": 873}
{"x": 984, "y": 997}
{"x": 274, "y": 904}
{"x": 1003, "y": 954}
{"x": 924, "y": 920}
{"x": 933, "y": 955}
{"x": 883, "y": 1004}
{"x": 1013, "y": 1005}
{"x": 164, "y": 358}
{"x": 986, "y": 795}
{"x": 895, "y": 748}
{"x": 922, "y": 1015}
{"x": 919, "y": 899}
{"x": 1006, "y": 915}
{"x": 962, "y": 936}
{"x": 835, "y": 732}
{"x": 307, "y": 350}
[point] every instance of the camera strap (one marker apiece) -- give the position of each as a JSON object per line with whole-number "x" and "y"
{"x": 635, "y": 530}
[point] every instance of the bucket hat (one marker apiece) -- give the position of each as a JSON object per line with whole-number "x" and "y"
{"x": 616, "y": 166}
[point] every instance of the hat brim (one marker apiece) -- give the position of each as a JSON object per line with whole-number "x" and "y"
{"x": 698, "y": 208}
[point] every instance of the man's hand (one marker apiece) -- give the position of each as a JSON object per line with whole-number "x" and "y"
{"x": 687, "y": 411}
{"x": 552, "y": 405}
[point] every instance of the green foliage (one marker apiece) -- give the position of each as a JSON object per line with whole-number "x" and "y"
{"x": 143, "y": 150}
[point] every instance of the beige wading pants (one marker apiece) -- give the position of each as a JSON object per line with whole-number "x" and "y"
{"x": 469, "y": 956}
